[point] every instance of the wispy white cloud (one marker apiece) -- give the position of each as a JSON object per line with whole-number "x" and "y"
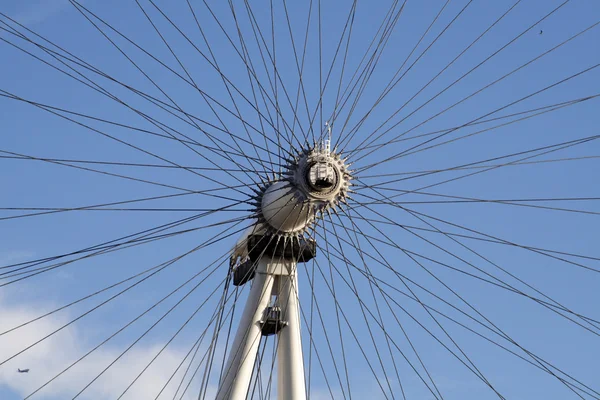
{"x": 52, "y": 355}
{"x": 33, "y": 12}
{"x": 14, "y": 256}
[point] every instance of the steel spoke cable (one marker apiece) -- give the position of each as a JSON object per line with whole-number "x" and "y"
{"x": 364, "y": 78}
{"x": 354, "y": 290}
{"x": 148, "y": 330}
{"x": 172, "y": 101}
{"x": 550, "y": 108}
{"x": 141, "y": 236}
{"x": 218, "y": 328}
{"x": 153, "y": 100}
{"x": 248, "y": 62}
{"x": 484, "y": 166}
{"x": 392, "y": 85}
{"x": 356, "y": 244}
{"x": 487, "y": 86}
{"x": 196, "y": 346}
{"x": 473, "y": 69}
{"x": 206, "y": 353}
{"x": 108, "y": 249}
{"x": 542, "y": 151}
{"x": 384, "y": 283}
{"x": 55, "y": 257}
{"x": 299, "y": 70}
{"x": 260, "y": 86}
{"x": 478, "y": 372}
{"x": 464, "y": 301}
{"x": 351, "y": 19}
{"x": 215, "y": 338}
{"x": 145, "y": 131}
{"x": 548, "y": 149}
{"x": 131, "y": 146}
{"x": 398, "y": 155}
{"x": 208, "y": 103}
{"x": 272, "y": 77}
{"x": 310, "y": 327}
{"x": 128, "y": 164}
{"x": 196, "y": 87}
{"x": 592, "y": 321}
{"x": 81, "y": 299}
{"x": 187, "y": 191}
{"x": 211, "y": 64}
{"x": 276, "y": 77}
{"x": 346, "y": 320}
{"x": 167, "y": 96}
{"x": 463, "y": 200}
{"x": 346, "y": 140}
{"x": 385, "y": 28}
{"x": 31, "y": 272}
{"x": 472, "y": 237}
{"x": 162, "y": 267}
{"x": 103, "y": 91}
{"x": 107, "y": 206}
{"x": 274, "y": 63}
{"x": 323, "y": 85}
{"x": 473, "y": 369}
{"x": 350, "y": 86}
{"x": 337, "y": 314}
{"x": 180, "y": 301}
{"x": 494, "y": 239}
{"x": 131, "y": 322}
{"x": 561, "y": 306}
{"x": 257, "y": 372}
{"x": 175, "y": 334}
{"x": 174, "y": 72}
{"x": 489, "y": 129}
{"x": 500, "y": 284}
{"x": 414, "y": 283}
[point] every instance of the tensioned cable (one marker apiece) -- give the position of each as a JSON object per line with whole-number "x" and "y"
{"x": 489, "y": 85}
{"x": 433, "y": 294}
{"x": 346, "y": 140}
{"x": 476, "y": 67}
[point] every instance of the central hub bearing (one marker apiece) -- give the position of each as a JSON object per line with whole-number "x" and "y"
{"x": 316, "y": 180}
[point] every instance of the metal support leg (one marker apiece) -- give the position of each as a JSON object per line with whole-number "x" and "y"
{"x": 238, "y": 372}
{"x": 290, "y": 365}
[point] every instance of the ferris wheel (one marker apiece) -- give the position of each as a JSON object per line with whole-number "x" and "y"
{"x": 299, "y": 200}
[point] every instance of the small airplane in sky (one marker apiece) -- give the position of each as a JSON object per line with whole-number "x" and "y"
{"x": 22, "y": 370}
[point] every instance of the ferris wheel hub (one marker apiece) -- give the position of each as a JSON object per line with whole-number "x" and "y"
{"x": 315, "y": 181}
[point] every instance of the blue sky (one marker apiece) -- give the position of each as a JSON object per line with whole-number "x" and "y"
{"x": 30, "y": 131}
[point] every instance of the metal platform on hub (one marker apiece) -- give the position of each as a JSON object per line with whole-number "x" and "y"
{"x": 291, "y": 249}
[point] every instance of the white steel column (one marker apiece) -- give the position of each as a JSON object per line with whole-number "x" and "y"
{"x": 290, "y": 365}
{"x": 240, "y": 364}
